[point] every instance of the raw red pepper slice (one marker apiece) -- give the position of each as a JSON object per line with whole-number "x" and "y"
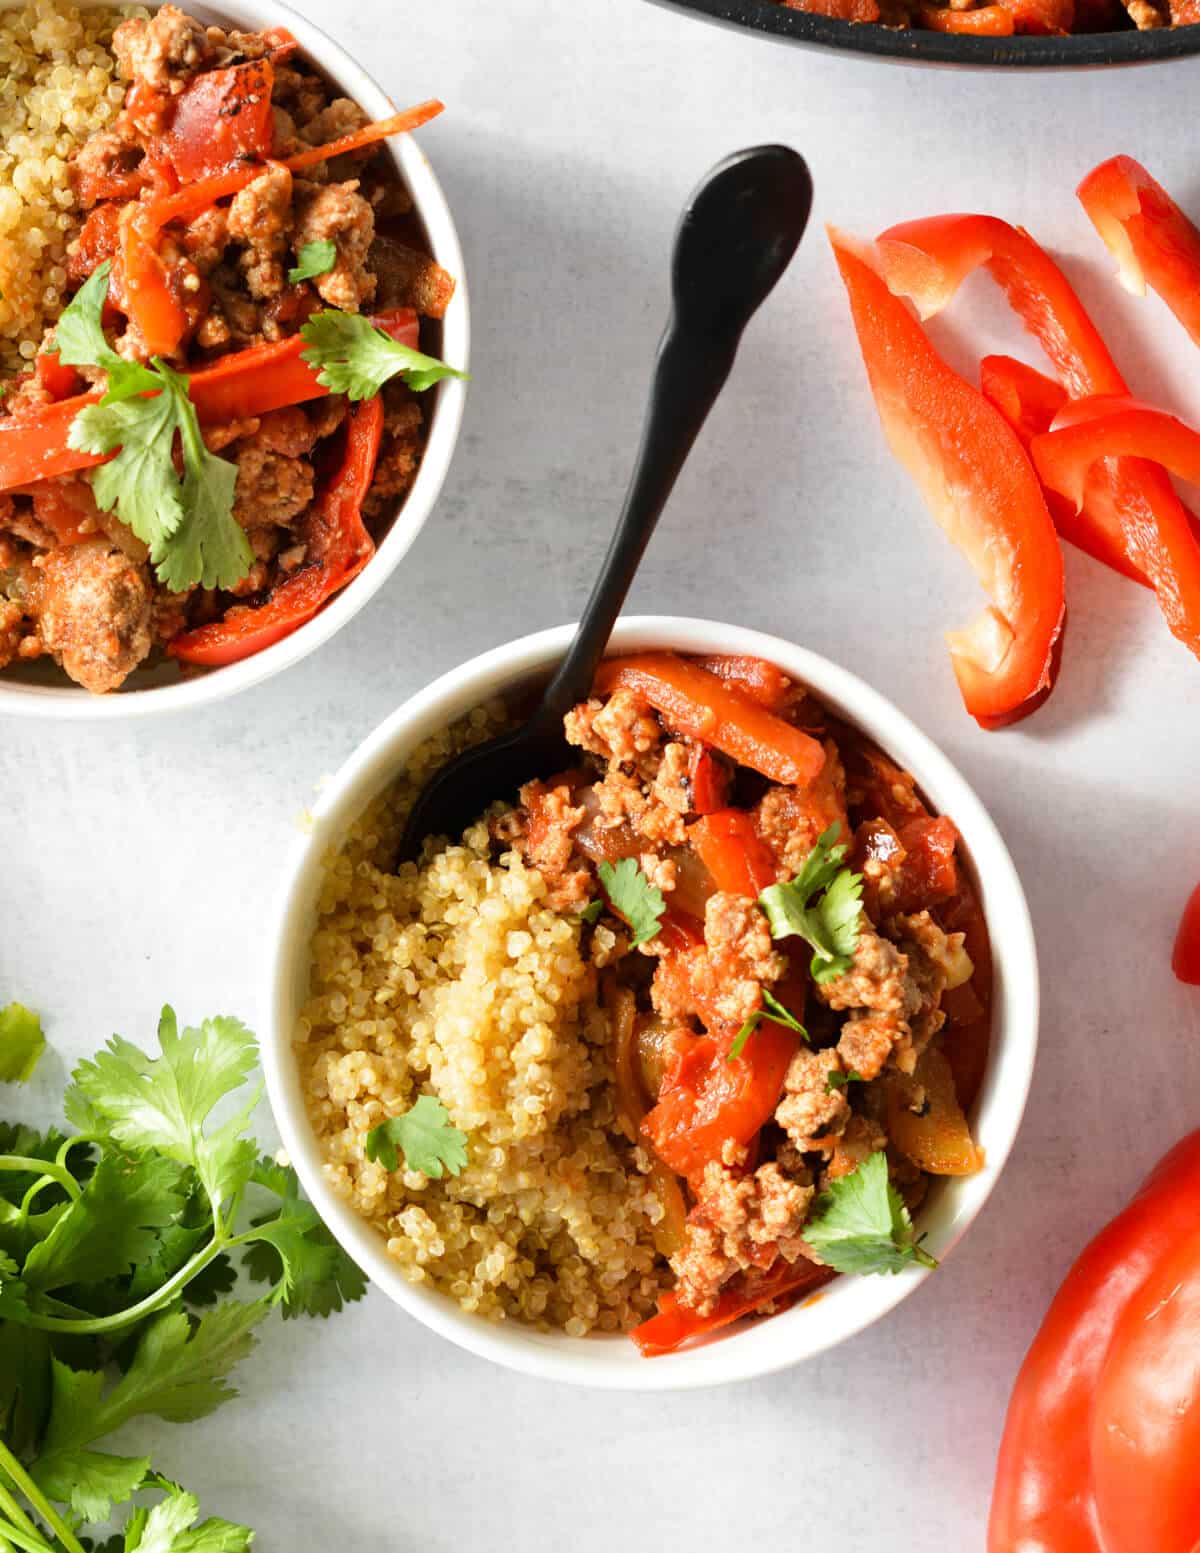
{"x": 1050, "y": 1485}
{"x": 928, "y": 260}
{"x": 1152, "y": 240}
{"x": 675, "y": 1325}
{"x": 979, "y": 485}
{"x": 237, "y": 387}
{"x": 698, "y": 704}
{"x": 222, "y": 117}
{"x": 734, "y": 853}
{"x": 1087, "y": 431}
{"x": 1185, "y": 961}
{"x": 338, "y": 549}
{"x": 1029, "y": 401}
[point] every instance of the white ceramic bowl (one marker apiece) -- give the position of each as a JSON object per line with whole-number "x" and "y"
{"x": 847, "y": 1305}
{"x": 162, "y": 689}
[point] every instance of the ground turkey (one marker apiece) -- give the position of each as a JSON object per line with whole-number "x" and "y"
{"x": 163, "y": 51}
{"x": 337, "y": 213}
{"x": 261, "y": 218}
{"x": 91, "y": 606}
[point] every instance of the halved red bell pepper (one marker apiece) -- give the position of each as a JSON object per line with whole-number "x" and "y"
{"x": 979, "y": 485}
{"x": 338, "y": 547}
{"x": 734, "y": 853}
{"x": 675, "y": 1325}
{"x": 1185, "y": 961}
{"x": 1103, "y": 1431}
{"x": 1029, "y": 401}
{"x": 927, "y": 261}
{"x": 698, "y": 704}
{"x": 237, "y": 387}
{"x": 1152, "y": 240}
{"x": 222, "y": 117}
{"x": 1087, "y": 431}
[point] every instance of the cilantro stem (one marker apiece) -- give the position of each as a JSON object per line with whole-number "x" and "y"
{"x": 10, "y": 1506}
{"x": 43, "y": 1167}
{"x": 10, "y": 1535}
{"x": 38, "y": 1500}
{"x": 94, "y": 1325}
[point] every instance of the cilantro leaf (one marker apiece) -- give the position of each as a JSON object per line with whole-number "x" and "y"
{"x": 836, "y": 1079}
{"x": 163, "y": 1102}
{"x": 294, "y": 1251}
{"x": 773, "y": 1010}
{"x": 169, "y": 1528}
{"x": 24, "y": 1381}
{"x": 633, "y": 897}
{"x": 110, "y": 1227}
{"x": 355, "y": 358}
{"x": 21, "y": 1043}
{"x": 860, "y": 1224}
{"x": 593, "y": 911}
{"x": 316, "y": 258}
{"x": 91, "y": 1482}
{"x": 424, "y": 1136}
{"x": 13, "y": 1293}
{"x": 140, "y": 481}
{"x": 79, "y": 340}
{"x": 822, "y": 904}
{"x": 210, "y": 546}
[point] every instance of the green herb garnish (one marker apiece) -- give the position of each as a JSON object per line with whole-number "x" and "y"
{"x": 773, "y": 1010}
{"x": 21, "y": 1043}
{"x": 860, "y": 1224}
{"x": 593, "y": 911}
{"x": 316, "y": 258}
{"x": 424, "y": 1136}
{"x": 631, "y": 895}
{"x": 355, "y": 358}
{"x": 822, "y": 904}
{"x": 836, "y": 1079}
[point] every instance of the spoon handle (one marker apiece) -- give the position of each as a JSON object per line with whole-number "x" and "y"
{"x": 735, "y": 239}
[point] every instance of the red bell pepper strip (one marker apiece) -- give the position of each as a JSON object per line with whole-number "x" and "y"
{"x": 220, "y": 118}
{"x": 986, "y": 21}
{"x": 145, "y": 286}
{"x": 675, "y": 1325}
{"x": 1100, "y": 1444}
{"x": 927, "y": 260}
{"x": 981, "y": 488}
{"x": 698, "y": 704}
{"x": 754, "y": 677}
{"x": 237, "y": 387}
{"x": 338, "y": 547}
{"x": 707, "y": 780}
{"x": 1087, "y": 431}
{"x": 1029, "y": 401}
{"x": 1152, "y": 240}
{"x": 734, "y": 853}
{"x": 59, "y": 381}
{"x": 1185, "y": 961}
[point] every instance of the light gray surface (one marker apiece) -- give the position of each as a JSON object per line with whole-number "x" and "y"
{"x": 141, "y": 860}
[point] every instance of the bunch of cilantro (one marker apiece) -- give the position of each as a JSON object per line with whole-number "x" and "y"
{"x": 117, "y": 1273}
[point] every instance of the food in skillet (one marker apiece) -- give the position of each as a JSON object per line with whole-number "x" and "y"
{"x": 206, "y": 442}
{"x": 1002, "y": 18}
{"x": 673, "y": 1040}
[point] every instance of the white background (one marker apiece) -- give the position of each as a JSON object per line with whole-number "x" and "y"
{"x": 140, "y": 861}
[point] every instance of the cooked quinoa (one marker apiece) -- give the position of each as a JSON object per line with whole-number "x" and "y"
{"x": 456, "y": 979}
{"x": 58, "y": 85}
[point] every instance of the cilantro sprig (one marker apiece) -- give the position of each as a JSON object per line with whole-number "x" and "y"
{"x": 837, "y": 1079}
{"x": 118, "y": 1241}
{"x": 771, "y": 1009}
{"x": 186, "y": 521}
{"x": 822, "y": 904}
{"x": 860, "y": 1224}
{"x": 424, "y": 1136}
{"x": 355, "y": 358}
{"x": 314, "y": 259}
{"x": 634, "y": 899}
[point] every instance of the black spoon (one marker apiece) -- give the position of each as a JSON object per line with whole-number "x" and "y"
{"x": 737, "y": 235}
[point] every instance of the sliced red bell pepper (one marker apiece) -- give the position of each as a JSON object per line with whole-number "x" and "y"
{"x": 754, "y": 677}
{"x": 59, "y": 381}
{"x": 698, "y": 704}
{"x": 1029, "y": 401}
{"x": 986, "y": 21}
{"x": 1152, "y": 240}
{"x": 927, "y": 260}
{"x": 220, "y": 118}
{"x": 99, "y": 239}
{"x": 338, "y": 547}
{"x": 979, "y": 485}
{"x": 1087, "y": 431}
{"x": 707, "y": 779}
{"x": 1185, "y": 961}
{"x": 734, "y": 853}
{"x": 237, "y": 387}
{"x": 145, "y": 285}
{"x": 675, "y": 1325}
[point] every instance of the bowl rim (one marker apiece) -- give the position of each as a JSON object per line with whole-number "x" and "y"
{"x": 848, "y": 1305}
{"x": 72, "y": 703}
{"x": 916, "y": 46}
